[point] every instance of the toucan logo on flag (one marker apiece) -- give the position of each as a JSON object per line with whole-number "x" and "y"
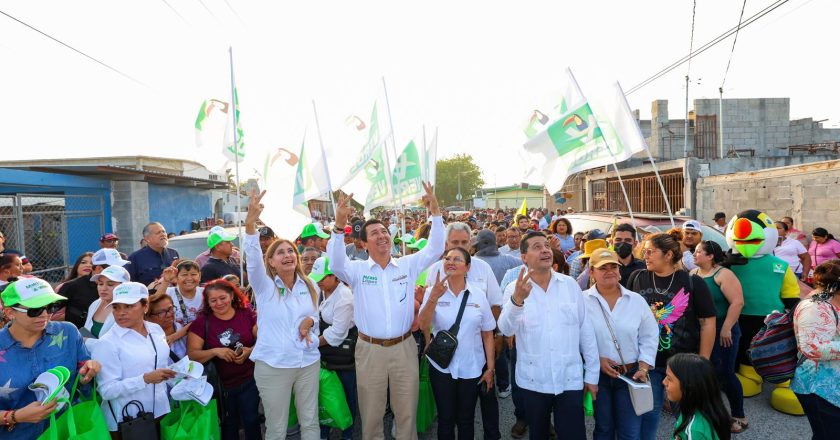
{"x": 574, "y": 131}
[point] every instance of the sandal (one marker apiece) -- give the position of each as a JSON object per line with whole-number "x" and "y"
{"x": 739, "y": 426}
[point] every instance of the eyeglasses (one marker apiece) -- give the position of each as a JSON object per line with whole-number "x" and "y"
{"x": 646, "y": 252}
{"x": 38, "y": 311}
{"x": 168, "y": 311}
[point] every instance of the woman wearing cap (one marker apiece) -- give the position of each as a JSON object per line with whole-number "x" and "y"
{"x": 99, "y": 317}
{"x": 728, "y": 296}
{"x": 29, "y": 346}
{"x": 134, "y": 355}
{"x": 683, "y": 307}
{"x": 338, "y": 334}
{"x": 632, "y": 352}
{"x": 225, "y": 332}
{"x": 181, "y": 283}
{"x": 286, "y": 354}
{"x": 473, "y": 365}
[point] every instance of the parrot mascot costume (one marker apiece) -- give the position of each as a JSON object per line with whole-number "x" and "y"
{"x": 769, "y": 285}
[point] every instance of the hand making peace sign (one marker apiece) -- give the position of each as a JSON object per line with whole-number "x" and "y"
{"x": 255, "y": 208}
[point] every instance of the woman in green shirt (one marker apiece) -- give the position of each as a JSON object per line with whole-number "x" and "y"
{"x": 690, "y": 380}
{"x": 728, "y": 297}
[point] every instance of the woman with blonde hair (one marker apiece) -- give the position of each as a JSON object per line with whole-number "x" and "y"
{"x": 286, "y": 354}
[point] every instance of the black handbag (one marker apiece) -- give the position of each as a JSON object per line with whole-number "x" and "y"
{"x": 212, "y": 373}
{"x": 142, "y": 426}
{"x": 443, "y": 345}
{"x": 343, "y": 357}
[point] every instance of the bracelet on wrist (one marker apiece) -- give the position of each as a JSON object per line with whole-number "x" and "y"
{"x": 515, "y": 303}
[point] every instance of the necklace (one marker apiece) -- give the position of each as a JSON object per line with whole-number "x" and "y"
{"x": 653, "y": 281}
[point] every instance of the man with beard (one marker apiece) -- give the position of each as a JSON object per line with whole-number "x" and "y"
{"x": 147, "y": 263}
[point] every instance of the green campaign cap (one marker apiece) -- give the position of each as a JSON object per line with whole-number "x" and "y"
{"x": 419, "y": 244}
{"x": 31, "y": 293}
{"x": 320, "y": 269}
{"x": 310, "y": 230}
{"x": 217, "y": 236}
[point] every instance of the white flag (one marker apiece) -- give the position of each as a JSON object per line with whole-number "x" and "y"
{"x": 430, "y": 160}
{"x": 311, "y": 179}
{"x": 407, "y": 177}
{"x": 278, "y": 180}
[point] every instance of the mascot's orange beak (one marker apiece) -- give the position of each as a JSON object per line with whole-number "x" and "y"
{"x": 742, "y": 229}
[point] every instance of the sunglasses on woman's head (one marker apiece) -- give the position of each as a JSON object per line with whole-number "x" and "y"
{"x": 36, "y": 312}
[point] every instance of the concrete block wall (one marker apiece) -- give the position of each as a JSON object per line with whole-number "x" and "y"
{"x": 808, "y": 193}
{"x": 807, "y": 131}
{"x": 762, "y": 124}
{"x": 129, "y": 212}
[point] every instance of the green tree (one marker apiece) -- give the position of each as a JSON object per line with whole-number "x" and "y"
{"x": 446, "y": 182}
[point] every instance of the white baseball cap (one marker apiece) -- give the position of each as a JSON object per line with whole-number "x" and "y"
{"x": 130, "y": 293}
{"x": 692, "y": 225}
{"x": 111, "y": 257}
{"x": 113, "y": 273}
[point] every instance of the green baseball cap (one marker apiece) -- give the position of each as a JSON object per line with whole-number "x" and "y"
{"x": 218, "y": 235}
{"x": 31, "y": 293}
{"x": 419, "y": 244}
{"x": 407, "y": 238}
{"x": 320, "y": 269}
{"x": 310, "y": 230}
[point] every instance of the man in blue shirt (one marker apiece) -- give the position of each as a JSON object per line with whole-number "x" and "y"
{"x": 147, "y": 263}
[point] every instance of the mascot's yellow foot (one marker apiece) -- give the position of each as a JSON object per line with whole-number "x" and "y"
{"x": 783, "y": 400}
{"x": 750, "y": 380}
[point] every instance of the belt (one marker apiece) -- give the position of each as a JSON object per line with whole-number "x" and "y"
{"x": 385, "y": 342}
{"x": 626, "y": 368}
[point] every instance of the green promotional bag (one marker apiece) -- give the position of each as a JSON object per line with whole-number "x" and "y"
{"x": 333, "y": 410}
{"x": 191, "y": 421}
{"x": 82, "y": 421}
{"x": 426, "y": 408}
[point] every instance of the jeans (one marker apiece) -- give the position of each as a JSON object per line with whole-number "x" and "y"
{"x": 650, "y": 420}
{"x": 516, "y": 392}
{"x": 242, "y": 409}
{"x": 455, "y": 400}
{"x": 348, "y": 382}
{"x": 823, "y": 417}
{"x": 489, "y": 413}
{"x": 503, "y": 369}
{"x": 723, "y": 359}
{"x": 566, "y": 406}
{"x": 614, "y": 413}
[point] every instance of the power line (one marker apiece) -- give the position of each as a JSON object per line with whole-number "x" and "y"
{"x": 707, "y": 46}
{"x": 691, "y": 40}
{"x": 732, "y": 52}
{"x": 175, "y": 11}
{"x": 113, "y": 69}
{"x": 234, "y": 13}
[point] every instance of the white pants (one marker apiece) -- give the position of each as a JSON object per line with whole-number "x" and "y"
{"x": 276, "y": 385}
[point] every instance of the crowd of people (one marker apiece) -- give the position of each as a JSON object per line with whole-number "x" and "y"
{"x": 538, "y": 312}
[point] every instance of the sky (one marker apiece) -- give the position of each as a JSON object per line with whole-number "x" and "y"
{"x": 473, "y": 69}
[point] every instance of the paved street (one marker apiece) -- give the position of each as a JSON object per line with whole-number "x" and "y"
{"x": 765, "y": 423}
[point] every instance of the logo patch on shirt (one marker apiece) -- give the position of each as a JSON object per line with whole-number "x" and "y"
{"x": 369, "y": 280}
{"x": 303, "y": 292}
{"x": 443, "y": 304}
{"x": 473, "y": 305}
{"x": 777, "y": 267}
{"x": 401, "y": 277}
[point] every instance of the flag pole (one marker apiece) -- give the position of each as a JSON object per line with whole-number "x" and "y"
{"x": 324, "y": 159}
{"x": 650, "y": 157}
{"x": 426, "y": 165}
{"x": 396, "y": 157}
{"x": 236, "y": 165}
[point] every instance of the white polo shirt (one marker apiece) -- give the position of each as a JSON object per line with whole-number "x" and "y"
{"x": 383, "y": 299}
{"x": 633, "y": 323}
{"x": 789, "y": 251}
{"x": 469, "y": 358}
{"x": 126, "y": 356}
{"x": 281, "y": 310}
{"x": 480, "y": 274}
{"x": 337, "y": 311}
{"x": 552, "y": 331}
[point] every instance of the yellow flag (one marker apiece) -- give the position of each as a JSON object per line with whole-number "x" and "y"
{"x": 523, "y": 210}
{"x": 612, "y": 233}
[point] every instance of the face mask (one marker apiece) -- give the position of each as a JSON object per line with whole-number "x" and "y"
{"x": 623, "y": 249}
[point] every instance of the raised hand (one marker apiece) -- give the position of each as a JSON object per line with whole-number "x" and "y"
{"x": 343, "y": 210}
{"x": 255, "y": 208}
{"x": 430, "y": 200}
{"x": 523, "y": 287}
{"x": 439, "y": 287}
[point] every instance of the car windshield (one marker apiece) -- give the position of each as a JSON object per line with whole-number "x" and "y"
{"x": 708, "y": 233}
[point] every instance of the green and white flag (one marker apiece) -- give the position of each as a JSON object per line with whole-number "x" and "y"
{"x": 231, "y": 151}
{"x": 407, "y": 177}
{"x": 212, "y": 116}
{"x": 278, "y": 180}
{"x": 574, "y": 140}
{"x": 311, "y": 179}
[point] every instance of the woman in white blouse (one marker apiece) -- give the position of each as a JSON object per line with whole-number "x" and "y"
{"x": 338, "y": 334}
{"x": 100, "y": 318}
{"x": 286, "y": 354}
{"x": 133, "y": 354}
{"x": 456, "y": 387}
{"x": 617, "y": 311}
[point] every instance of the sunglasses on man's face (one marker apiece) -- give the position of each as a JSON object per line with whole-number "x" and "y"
{"x": 38, "y": 311}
